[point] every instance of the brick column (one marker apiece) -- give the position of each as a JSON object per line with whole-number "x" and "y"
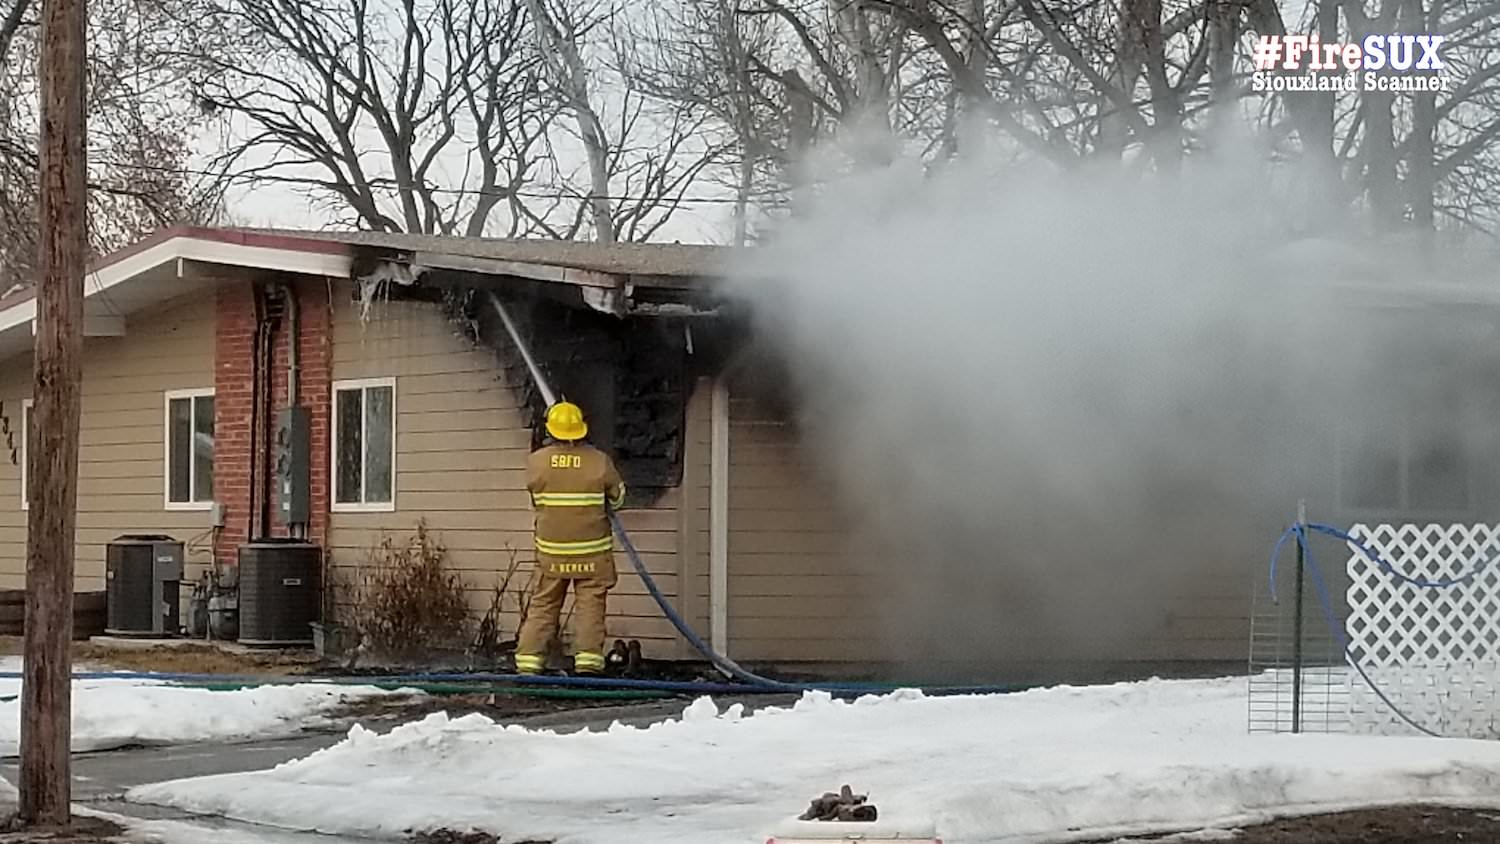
{"x": 234, "y": 348}
{"x": 315, "y": 371}
{"x": 234, "y": 351}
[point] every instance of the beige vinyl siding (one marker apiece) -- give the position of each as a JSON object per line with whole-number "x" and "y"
{"x": 15, "y": 388}
{"x": 795, "y": 590}
{"x": 121, "y": 462}
{"x": 461, "y": 448}
{"x": 804, "y": 586}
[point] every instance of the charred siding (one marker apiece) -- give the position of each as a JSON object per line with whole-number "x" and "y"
{"x": 631, "y": 377}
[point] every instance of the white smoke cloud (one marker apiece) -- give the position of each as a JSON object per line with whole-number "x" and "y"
{"x": 1064, "y": 407}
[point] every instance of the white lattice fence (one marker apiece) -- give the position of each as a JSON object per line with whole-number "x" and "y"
{"x": 1433, "y": 652}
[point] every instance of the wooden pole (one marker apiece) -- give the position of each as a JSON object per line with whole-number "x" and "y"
{"x": 52, "y": 468}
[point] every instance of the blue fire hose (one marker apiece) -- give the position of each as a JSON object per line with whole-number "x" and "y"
{"x": 1300, "y": 532}
{"x": 733, "y": 669}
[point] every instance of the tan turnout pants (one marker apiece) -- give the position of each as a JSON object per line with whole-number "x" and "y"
{"x": 589, "y": 597}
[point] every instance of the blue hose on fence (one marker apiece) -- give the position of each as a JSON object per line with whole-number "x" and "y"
{"x": 1364, "y": 550}
{"x": 1299, "y": 531}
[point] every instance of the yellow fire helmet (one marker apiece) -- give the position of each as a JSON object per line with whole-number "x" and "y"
{"x": 565, "y": 421}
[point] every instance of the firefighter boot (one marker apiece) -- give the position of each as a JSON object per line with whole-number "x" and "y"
{"x": 618, "y": 658}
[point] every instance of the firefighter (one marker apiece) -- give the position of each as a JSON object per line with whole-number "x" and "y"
{"x": 570, "y": 483}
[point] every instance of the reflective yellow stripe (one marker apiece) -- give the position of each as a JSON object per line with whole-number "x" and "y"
{"x": 527, "y": 663}
{"x": 588, "y": 660}
{"x": 570, "y": 549}
{"x": 618, "y": 501}
{"x": 568, "y": 499}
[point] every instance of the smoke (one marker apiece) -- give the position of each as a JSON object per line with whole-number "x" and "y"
{"x": 1069, "y": 414}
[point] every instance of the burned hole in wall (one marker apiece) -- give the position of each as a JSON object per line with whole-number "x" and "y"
{"x": 631, "y": 376}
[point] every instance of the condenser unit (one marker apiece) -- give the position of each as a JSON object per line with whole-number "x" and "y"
{"x": 280, "y": 594}
{"x": 143, "y": 575}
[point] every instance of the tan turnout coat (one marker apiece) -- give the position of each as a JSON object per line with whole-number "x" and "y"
{"x": 569, "y": 485}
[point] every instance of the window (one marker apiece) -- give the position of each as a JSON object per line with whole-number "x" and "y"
{"x": 1404, "y": 451}
{"x": 1409, "y": 471}
{"x": 364, "y": 438}
{"x": 25, "y": 451}
{"x": 190, "y": 449}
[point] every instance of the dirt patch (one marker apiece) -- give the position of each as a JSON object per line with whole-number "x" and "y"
{"x": 197, "y": 659}
{"x": 183, "y": 658}
{"x": 448, "y": 836}
{"x": 1395, "y": 825}
{"x": 84, "y": 830}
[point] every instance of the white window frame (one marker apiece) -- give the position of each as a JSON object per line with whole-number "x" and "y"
{"x": 25, "y": 451}
{"x": 336, "y": 388}
{"x": 166, "y": 447}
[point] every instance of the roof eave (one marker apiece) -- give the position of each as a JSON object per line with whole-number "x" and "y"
{"x": 182, "y": 254}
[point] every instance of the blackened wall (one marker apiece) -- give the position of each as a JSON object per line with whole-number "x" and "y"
{"x": 631, "y": 377}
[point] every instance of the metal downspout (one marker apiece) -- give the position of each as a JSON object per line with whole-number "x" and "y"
{"x": 253, "y": 527}
{"x": 293, "y": 335}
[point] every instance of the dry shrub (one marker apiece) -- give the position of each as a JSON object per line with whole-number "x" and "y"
{"x": 489, "y": 642}
{"x": 409, "y": 603}
{"x": 510, "y": 594}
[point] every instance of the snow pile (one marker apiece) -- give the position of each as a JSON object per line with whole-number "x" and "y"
{"x": 1066, "y": 761}
{"x": 111, "y": 713}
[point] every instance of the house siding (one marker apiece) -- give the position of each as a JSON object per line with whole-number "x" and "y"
{"x": 461, "y": 449}
{"x": 122, "y": 439}
{"x": 799, "y": 588}
{"x": 807, "y": 585}
{"x": 796, "y": 589}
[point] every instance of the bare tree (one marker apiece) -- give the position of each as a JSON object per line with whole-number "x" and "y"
{"x": 442, "y": 116}
{"x": 414, "y": 115}
{"x": 15, "y": 18}
{"x": 1406, "y": 159}
{"x": 559, "y": 33}
{"x": 695, "y": 57}
{"x": 779, "y": 79}
{"x": 640, "y": 159}
{"x": 140, "y": 128}
{"x": 995, "y": 71}
{"x": 1450, "y": 149}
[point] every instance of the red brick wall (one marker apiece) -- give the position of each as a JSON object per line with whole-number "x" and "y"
{"x": 315, "y": 370}
{"x": 234, "y": 350}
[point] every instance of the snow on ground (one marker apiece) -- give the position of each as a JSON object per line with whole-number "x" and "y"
{"x": 110, "y": 713}
{"x": 1042, "y": 765}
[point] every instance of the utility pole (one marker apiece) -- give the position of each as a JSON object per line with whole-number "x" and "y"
{"x": 52, "y": 454}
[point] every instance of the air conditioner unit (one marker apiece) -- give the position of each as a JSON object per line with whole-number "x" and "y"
{"x": 143, "y": 576}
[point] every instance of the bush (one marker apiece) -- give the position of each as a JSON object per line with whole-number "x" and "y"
{"x": 408, "y": 603}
